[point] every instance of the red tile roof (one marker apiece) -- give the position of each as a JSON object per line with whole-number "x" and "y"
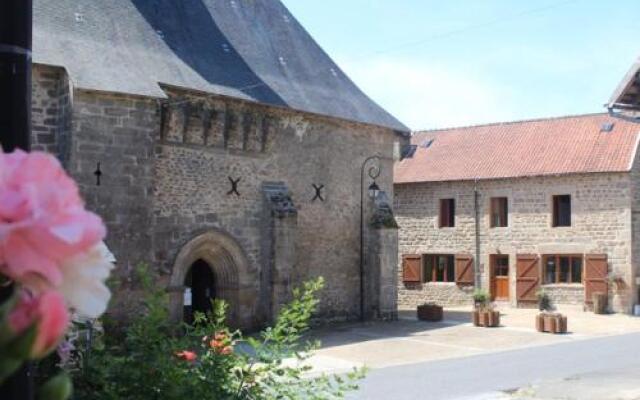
{"x": 564, "y": 145}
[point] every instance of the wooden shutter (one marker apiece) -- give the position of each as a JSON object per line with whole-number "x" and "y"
{"x": 527, "y": 279}
{"x": 411, "y": 268}
{"x": 464, "y": 270}
{"x": 504, "y": 212}
{"x": 494, "y": 212}
{"x": 444, "y": 213}
{"x": 596, "y": 270}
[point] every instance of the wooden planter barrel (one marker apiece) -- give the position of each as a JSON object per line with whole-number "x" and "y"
{"x": 600, "y": 303}
{"x": 551, "y": 323}
{"x": 486, "y": 318}
{"x": 430, "y": 312}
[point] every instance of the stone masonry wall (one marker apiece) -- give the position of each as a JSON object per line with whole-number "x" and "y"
{"x": 206, "y": 140}
{"x": 601, "y": 223}
{"x": 51, "y": 111}
{"x": 631, "y": 276}
{"x": 115, "y": 133}
{"x": 164, "y": 180}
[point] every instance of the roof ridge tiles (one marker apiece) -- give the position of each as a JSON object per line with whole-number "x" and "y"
{"x": 512, "y": 122}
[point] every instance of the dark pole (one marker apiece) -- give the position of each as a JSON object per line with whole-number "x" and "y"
{"x": 15, "y": 74}
{"x": 476, "y": 212}
{"x": 374, "y": 172}
{"x": 15, "y": 126}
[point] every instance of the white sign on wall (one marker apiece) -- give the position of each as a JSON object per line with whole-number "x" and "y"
{"x": 187, "y": 297}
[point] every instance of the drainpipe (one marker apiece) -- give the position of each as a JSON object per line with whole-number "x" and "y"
{"x": 476, "y": 211}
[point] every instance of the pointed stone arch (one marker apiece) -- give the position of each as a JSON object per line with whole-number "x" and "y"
{"x": 230, "y": 266}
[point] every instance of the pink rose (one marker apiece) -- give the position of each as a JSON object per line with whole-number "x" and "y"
{"x": 42, "y": 219}
{"x": 49, "y": 312}
{"x": 187, "y": 355}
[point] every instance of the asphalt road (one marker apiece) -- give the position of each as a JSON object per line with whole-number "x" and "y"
{"x": 476, "y": 377}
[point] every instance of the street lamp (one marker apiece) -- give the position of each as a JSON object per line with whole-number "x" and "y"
{"x": 374, "y": 190}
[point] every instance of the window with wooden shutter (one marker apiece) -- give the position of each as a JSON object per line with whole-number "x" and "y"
{"x": 412, "y": 268}
{"x": 464, "y": 270}
{"x": 562, "y": 268}
{"x": 447, "y": 213}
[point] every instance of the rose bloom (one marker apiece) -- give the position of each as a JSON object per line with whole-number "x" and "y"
{"x": 83, "y": 281}
{"x": 43, "y": 221}
{"x": 226, "y": 350}
{"x": 215, "y": 344}
{"x": 187, "y": 355}
{"x": 48, "y": 312}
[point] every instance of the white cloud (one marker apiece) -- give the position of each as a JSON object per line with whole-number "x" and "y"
{"x": 424, "y": 95}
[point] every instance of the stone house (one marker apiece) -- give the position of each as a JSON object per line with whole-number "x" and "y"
{"x": 520, "y": 206}
{"x": 223, "y": 147}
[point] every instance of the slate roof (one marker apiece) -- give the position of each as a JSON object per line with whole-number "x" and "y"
{"x": 627, "y": 94}
{"x": 248, "y": 49}
{"x": 554, "y": 146}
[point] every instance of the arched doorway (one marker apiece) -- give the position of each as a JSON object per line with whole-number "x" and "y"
{"x": 200, "y": 289}
{"x": 214, "y": 265}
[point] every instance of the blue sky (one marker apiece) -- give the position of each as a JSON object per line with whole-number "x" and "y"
{"x": 452, "y": 63}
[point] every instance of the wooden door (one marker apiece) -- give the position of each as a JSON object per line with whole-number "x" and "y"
{"x": 596, "y": 270}
{"x": 527, "y": 279}
{"x": 500, "y": 277}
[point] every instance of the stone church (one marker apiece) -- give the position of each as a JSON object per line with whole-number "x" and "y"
{"x": 224, "y": 148}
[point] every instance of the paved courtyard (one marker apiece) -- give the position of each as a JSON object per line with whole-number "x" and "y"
{"x": 410, "y": 341}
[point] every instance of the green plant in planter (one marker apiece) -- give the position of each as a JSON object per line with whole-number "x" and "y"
{"x": 616, "y": 280}
{"x": 544, "y": 301}
{"x": 481, "y": 299}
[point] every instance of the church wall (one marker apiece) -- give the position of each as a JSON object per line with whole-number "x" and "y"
{"x": 259, "y": 144}
{"x": 165, "y": 173}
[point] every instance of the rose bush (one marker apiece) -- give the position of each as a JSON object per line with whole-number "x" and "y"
{"x": 150, "y": 359}
{"x": 51, "y": 261}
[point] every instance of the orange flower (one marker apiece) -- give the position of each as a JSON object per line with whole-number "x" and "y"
{"x": 226, "y": 350}
{"x": 216, "y": 344}
{"x": 187, "y": 355}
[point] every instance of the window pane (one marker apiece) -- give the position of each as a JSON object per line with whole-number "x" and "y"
{"x": 550, "y": 270}
{"x": 451, "y": 273}
{"x": 499, "y": 212}
{"x": 447, "y": 212}
{"x": 564, "y": 269}
{"x": 505, "y": 212}
{"x": 562, "y": 210}
{"x": 452, "y": 212}
{"x": 440, "y": 268}
{"x": 502, "y": 266}
{"x": 576, "y": 270}
{"x": 428, "y": 269}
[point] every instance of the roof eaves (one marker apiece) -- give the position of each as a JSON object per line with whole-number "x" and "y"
{"x": 496, "y": 178}
{"x": 630, "y": 80}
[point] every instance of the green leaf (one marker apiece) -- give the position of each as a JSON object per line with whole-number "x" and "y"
{"x": 8, "y": 304}
{"x": 8, "y": 365}
{"x": 20, "y": 347}
{"x": 57, "y": 388}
